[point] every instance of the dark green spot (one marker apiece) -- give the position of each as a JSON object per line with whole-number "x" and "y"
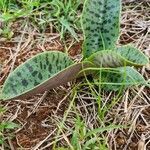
{"x": 34, "y": 73}
{"x": 49, "y": 67}
{"x": 112, "y": 6}
{"x": 94, "y": 2}
{"x": 96, "y": 15}
{"x": 40, "y": 76}
{"x": 45, "y": 66}
{"x": 109, "y": 20}
{"x": 47, "y": 61}
{"x": 53, "y": 57}
{"x": 104, "y": 11}
{"x": 107, "y": 38}
{"x": 93, "y": 22}
{"x": 41, "y": 66}
{"x": 36, "y": 83}
{"x": 57, "y": 60}
{"x": 106, "y": 31}
{"x": 19, "y": 74}
{"x": 99, "y": 2}
{"x": 24, "y": 82}
{"x": 11, "y": 79}
{"x": 35, "y": 60}
{"x": 87, "y": 28}
{"x": 95, "y": 34}
{"x": 14, "y": 90}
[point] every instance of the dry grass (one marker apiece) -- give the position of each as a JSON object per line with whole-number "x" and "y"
{"x": 40, "y": 115}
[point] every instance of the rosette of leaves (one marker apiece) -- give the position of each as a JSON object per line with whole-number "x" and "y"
{"x": 100, "y": 22}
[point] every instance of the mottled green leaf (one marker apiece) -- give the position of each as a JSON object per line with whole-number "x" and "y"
{"x": 120, "y": 77}
{"x": 123, "y": 56}
{"x": 133, "y": 55}
{"x": 33, "y": 75}
{"x": 34, "y": 72}
{"x": 106, "y": 58}
{"x": 42, "y": 72}
{"x": 100, "y": 23}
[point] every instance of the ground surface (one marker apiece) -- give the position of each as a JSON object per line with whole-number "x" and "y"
{"x": 39, "y": 116}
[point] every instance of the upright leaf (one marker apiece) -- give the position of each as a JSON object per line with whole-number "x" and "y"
{"x": 100, "y": 23}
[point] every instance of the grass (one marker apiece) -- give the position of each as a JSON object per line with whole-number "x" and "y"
{"x": 74, "y": 117}
{"x": 5, "y": 126}
{"x": 63, "y": 15}
{"x": 85, "y": 135}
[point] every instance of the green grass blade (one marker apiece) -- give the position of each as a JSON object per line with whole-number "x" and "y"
{"x": 100, "y": 22}
{"x": 67, "y": 25}
{"x": 103, "y": 129}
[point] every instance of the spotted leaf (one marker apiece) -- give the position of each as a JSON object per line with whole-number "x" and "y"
{"x": 123, "y": 56}
{"x": 121, "y": 77}
{"x": 106, "y": 58}
{"x": 100, "y": 23}
{"x": 42, "y": 72}
{"x": 133, "y": 55}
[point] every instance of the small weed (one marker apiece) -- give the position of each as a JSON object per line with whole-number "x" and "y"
{"x": 84, "y": 136}
{"x": 5, "y": 126}
{"x": 6, "y": 32}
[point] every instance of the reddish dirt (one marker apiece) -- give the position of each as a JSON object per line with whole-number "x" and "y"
{"x": 38, "y": 124}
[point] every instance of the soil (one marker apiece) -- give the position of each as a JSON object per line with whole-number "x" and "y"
{"x": 36, "y": 123}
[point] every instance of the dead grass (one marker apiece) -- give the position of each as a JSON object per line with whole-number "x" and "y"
{"x": 40, "y": 115}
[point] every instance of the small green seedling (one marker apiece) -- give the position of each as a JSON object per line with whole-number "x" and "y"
{"x": 5, "y": 126}
{"x": 100, "y": 22}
